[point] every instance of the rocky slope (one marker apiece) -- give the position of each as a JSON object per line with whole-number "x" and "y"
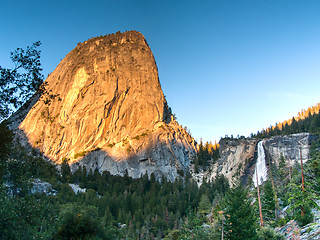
{"x": 105, "y": 109}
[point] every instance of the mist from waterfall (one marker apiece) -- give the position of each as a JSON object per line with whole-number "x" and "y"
{"x": 261, "y": 167}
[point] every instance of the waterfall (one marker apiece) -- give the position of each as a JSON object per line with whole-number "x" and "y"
{"x": 261, "y": 167}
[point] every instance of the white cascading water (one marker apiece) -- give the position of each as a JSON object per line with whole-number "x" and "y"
{"x": 261, "y": 167}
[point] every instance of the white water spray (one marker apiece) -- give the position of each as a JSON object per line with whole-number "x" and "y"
{"x": 261, "y": 168}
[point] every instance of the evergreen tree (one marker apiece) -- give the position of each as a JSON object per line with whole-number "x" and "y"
{"x": 240, "y": 218}
{"x": 266, "y": 233}
{"x": 65, "y": 170}
{"x": 282, "y": 170}
{"x": 268, "y": 202}
{"x": 5, "y": 146}
{"x": 204, "y": 206}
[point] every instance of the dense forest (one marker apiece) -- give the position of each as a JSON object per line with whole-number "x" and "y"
{"x": 112, "y": 207}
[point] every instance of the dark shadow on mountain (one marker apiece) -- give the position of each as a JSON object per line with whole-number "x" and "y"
{"x": 250, "y": 166}
{"x": 156, "y": 158}
{"x": 160, "y": 162}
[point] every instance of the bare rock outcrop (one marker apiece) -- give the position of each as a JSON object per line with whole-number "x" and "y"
{"x": 237, "y": 158}
{"x": 288, "y": 146}
{"x": 105, "y": 109}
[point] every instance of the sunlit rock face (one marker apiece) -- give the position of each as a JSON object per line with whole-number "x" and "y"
{"x": 107, "y": 111}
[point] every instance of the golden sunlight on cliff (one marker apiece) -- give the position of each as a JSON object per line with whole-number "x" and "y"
{"x": 79, "y": 81}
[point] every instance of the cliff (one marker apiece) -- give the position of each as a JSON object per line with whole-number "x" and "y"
{"x": 289, "y": 147}
{"x": 105, "y": 109}
{"x": 238, "y": 156}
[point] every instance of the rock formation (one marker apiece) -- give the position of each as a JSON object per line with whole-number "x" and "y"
{"x": 238, "y": 156}
{"x": 105, "y": 109}
{"x": 289, "y": 147}
{"x": 236, "y": 160}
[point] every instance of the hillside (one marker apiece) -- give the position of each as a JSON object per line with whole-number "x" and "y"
{"x": 305, "y": 121}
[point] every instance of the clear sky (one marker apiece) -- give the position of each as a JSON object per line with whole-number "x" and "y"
{"x": 226, "y": 67}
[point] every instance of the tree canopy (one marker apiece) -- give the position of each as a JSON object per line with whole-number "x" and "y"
{"x": 19, "y": 83}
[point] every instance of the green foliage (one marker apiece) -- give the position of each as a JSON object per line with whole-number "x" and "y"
{"x": 240, "y": 219}
{"x": 266, "y": 233}
{"x": 80, "y": 223}
{"x": 81, "y": 154}
{"x": 204, "y": 205}
{"x": 26, "y": 217}
{"x": 5, "y": 146}
{"x": 268, "y": 202}
{"x": 141, "y": 135}
{"x": 192, "y": 228}
{"x": 6, "y": 136}
{"x": 301, "y": 203}
{"x": 140, "y": 206}
{"x": 17, "y": 87}
{"x": 312, "y": 167}
{"x": 283, "y": 171}
{"x": 65, "y": 171}
{"x": 207, "y": 154}
{"x": 310, "y": 123}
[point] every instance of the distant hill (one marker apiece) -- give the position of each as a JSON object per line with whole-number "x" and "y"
{"x": 306, "y": 121}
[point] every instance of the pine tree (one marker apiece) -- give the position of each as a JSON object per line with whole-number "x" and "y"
{"x": 65, "y": 170}
{"x": 268, "y": 202}
{"x": 204, "y": 205}
{"x": 282, "y": 168}
{"x": 240, "y": 218}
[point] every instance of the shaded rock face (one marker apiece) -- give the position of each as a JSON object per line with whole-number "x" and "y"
{"x": 289, "y": 147}
{"x": 162, "y": 152}
{"x": 292, "y": 231}
{"x": 237, "y": 158}
{"x": 106, "y": 109}
{"x": 39, "y": 186}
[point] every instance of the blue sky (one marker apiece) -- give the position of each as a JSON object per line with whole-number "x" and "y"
{"x": 226, "y": 67}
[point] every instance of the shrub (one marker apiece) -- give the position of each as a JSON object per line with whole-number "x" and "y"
{"x": 81, "y": 154}
{"x": 266, "y": 233}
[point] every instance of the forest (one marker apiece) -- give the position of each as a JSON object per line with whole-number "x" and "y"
{"x": 114, "y": 207}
